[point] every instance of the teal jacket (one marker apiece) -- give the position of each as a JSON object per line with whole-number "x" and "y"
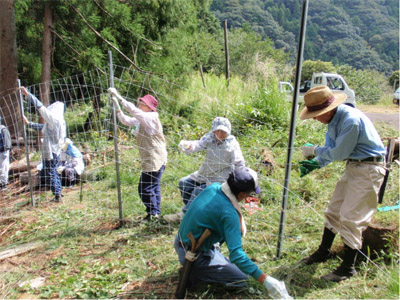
{"x": 212, "y": 209}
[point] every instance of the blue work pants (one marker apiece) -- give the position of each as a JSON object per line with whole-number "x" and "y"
{"x": 150, "y": 190}
{"x": 51, "y": 175}
{"x": 189, "y": 191}
{"x": 212, "y": 267}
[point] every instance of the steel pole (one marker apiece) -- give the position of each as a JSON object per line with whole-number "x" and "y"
{"x": 115, "y": 135}
{"x": 292, "y": 124}
{"x": 227, "y": 67}
{"x": 28, "y": 165}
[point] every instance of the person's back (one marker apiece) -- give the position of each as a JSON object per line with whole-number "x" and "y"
{"x": 5, "y": 138}
{"x": 151, "y": 145}
{"x": 217, "y": 209}
{"x": 54, "y": 134}
{"x": 213, "y": 210}
{"x": 5, "y": 146}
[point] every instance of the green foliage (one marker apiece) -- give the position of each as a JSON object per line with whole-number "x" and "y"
{"x": 368, "y": 85}
{"x": 309, "y": 67}
{"x": 270, "y": 106}
{"x": 85, "y": 254}
{"x": 394, "y": 79}
{"x": 246, "y": 49}
{"x": 363, "y": 34}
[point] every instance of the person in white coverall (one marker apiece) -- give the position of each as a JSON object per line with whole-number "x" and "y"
{"x": 54, "y": 134}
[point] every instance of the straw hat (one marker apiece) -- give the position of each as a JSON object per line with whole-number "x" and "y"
{"x": 320, "y": 100}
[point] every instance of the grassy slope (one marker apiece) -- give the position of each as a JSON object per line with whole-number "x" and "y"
{"x": 84, "y": 254}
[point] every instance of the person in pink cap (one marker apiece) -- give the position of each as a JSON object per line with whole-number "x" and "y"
{"x": 152, "y": 147}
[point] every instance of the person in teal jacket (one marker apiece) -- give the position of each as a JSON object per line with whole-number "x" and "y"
{"x": 217, "y": 209}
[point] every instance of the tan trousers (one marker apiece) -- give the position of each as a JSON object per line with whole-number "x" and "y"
{"x": 354, "y": 201}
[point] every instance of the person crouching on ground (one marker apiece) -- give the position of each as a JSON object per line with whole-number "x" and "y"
{"x": 223, "y": 154}
{"x": 54, "y": 134}
{"x": 350, "y": 136}
{"x": 152, "y": 148}
{"x": 217, "y": 208}
{"x": 71, "y": 163}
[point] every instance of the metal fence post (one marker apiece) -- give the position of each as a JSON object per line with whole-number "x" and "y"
{"x": 292, "y": 125}
{"x": 21, "y": 109}
{"x": 115, "y": 135}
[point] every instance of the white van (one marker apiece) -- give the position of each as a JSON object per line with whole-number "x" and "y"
{"x": 336, "y": 83}
{"x": 285, "y": 87}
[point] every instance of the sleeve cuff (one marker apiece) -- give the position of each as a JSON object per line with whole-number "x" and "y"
{"x": 262, "y": 278}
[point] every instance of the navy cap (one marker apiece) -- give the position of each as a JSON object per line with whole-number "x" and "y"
{"x": 246, "y": 179}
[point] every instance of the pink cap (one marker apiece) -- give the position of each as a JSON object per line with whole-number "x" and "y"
{"x": 150, "y": 101}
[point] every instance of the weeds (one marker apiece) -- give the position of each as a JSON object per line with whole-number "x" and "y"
{"x": 86, "y": 254}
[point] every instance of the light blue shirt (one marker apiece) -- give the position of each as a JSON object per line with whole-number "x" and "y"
{"x": 73, "y": 151}
{"x": 350, "y": 135}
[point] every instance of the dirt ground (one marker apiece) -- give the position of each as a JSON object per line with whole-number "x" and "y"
{"x": 387, "y": 114}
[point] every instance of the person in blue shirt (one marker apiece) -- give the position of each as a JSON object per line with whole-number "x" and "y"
{"x": 351, "y": 136}
{"x": 71, "y": 163}
{"x": 217, "y": 208}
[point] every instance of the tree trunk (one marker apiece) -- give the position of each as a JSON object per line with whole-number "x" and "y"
{"x": 46, "y": 56}
{"x": 44, "y": 87}
{"x": 9, "y": 101}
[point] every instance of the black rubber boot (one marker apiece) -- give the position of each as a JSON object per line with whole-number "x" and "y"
{"x": 323, "y": 253}
{"x": 57, "y": 198}
{"x": 346, "y": 269}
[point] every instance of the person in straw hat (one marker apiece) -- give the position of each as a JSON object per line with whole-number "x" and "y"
{"x": 350, "y": 136}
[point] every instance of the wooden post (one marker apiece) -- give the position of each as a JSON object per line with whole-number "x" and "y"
{"x": 202, "y": 76}
{"x": 226, "y": 52}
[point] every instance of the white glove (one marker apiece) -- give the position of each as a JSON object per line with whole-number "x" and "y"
{"x": 276, "y": 289}
{"x": 184, "y": 145}
{"x": 60, "y": 169}
{"x": 135, "y": 129}
{"x": 308, "y": 151}
{"x": 116, "y": 103}
{"x": 114, "y": 92}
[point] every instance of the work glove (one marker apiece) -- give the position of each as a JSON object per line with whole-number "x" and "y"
{"x": 308, "y": 150}
{"x": 276, "y": 289}
{"x": 114, "y": 92}
{"x": 116, "y": 103}
{"x": 184, "y": 145}
{"x": 307, "y": 166}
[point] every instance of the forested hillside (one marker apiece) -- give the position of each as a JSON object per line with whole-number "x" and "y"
{"x": 361, "y": 33}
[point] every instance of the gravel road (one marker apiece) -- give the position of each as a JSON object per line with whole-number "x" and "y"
{"x": 391, "y": 119}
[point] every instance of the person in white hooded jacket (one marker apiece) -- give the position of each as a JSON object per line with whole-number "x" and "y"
{"x": 223, "y": 155}
{"x": 54, "y": 134}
